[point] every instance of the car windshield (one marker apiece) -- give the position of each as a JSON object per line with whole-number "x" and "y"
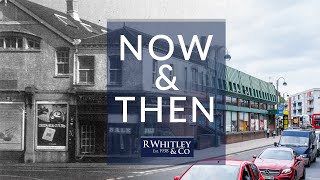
{"x": 294, "y": 141}
{"x": 209, "y": 172}
{"x": 276, "y": 154}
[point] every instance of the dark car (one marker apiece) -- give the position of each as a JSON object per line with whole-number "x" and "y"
{"x": 280, "y": 163}
{"x": 221, "y": 169}
{"x": 302, "y": 141}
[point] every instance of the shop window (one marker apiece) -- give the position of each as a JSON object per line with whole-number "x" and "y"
{"x": 115, "y": 70}
{"x": 244, "y": 121}
{"x": 86, "y": 69}
{"x": 87, "y": 139}
{"x": 231, "y": 121}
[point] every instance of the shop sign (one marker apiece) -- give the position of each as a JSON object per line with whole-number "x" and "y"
{"x": 118, "y": 130}
{"x": 167, "y": 146}
{"x": 52, "y": 121}
{"x": 11, "y": 126}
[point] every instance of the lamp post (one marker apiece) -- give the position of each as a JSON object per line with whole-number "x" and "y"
{"x": 226, "y": 57}
{"x": 278, "y": 98}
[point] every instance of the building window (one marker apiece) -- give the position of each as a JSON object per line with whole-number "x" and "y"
{"x": 33, "y": 43}
{"x": 224, "y": 84}
{"x": 115, "y": 70}
{"x": 250, "y": 92}
{"x": 154, "y": 71}
{"x": 87, "y": 139}
{"x": 254, "y": 93}
{"x": 239, "y": 89}
{"x": 86, "y": 69}
{"x": 201, "y": 81}
{"x": 219, "y": 83}
{"x": 185, "y": 78}
{"x": 234, "y": 87}
{"x": 230, "y": 86}
{"x": 194, "y": 73}
{"x": 231, "y": 121}
{"x": 11, "y": 42}
{"x": 171, "y": 73}
{"x": 62, "y": 61}
{"x": 244, "y": 121}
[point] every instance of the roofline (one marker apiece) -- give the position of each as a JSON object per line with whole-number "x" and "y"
{"x": 39, "y": 19}
{"x": 305, "y": 91}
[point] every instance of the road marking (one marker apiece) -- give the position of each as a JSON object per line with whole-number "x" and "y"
{"x": 27, "y": 170}
{"x": 13, "y": 176}
{"x": 130, "y": 176}
{"x": 110, "y": 179}
{"x": 120, "y": 178}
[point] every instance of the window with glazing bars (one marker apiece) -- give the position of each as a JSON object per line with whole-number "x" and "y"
{"x": 62, "y": 61}
{"x": 87, "y": 139}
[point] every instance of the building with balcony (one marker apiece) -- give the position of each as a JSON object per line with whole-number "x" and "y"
{"x": 304, "y": 103}
{"x": 58, "y": 87}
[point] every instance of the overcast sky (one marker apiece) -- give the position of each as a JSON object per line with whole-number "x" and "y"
{"x": 266, "y": 38}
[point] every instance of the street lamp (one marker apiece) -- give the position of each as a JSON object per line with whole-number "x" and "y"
{"x": 226, "y": 57}
{"x": 278, "y": 98}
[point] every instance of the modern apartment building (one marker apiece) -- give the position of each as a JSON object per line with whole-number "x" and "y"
{"x": 304, "y": 103}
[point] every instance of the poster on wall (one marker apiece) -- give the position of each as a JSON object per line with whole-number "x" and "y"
{"x": 11, "y": 126}
{"x": 52, "y": 122}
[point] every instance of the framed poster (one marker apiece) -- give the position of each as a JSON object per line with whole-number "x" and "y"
{"x": 11, "y": 126}
{"x": 52, "y": 126}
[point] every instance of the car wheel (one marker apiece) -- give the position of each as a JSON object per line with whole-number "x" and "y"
{"x": 304, "y": 173}
{"x": 295, "y": 176}
{"x": 309, "y": 163}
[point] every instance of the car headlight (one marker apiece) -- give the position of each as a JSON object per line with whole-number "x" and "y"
{"x": 286, "y": 171}
{"x": 304, "y": 155}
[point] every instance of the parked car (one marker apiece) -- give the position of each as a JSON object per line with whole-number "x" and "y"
{"x": 280, "y": 163}
{"x": 318, "y": 140}
{"x": 302, "y": 141}
{"x": 221, "y": 169}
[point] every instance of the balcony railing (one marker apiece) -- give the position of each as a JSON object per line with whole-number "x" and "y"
{"x": 299, "y": 107}
{"x": 310, "y": 98}
{"x": 310, "y": 106}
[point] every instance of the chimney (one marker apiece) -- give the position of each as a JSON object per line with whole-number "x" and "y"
{"x": 72, "y": 9}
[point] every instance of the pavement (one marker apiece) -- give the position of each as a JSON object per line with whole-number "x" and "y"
{"x": 156, "y": 163}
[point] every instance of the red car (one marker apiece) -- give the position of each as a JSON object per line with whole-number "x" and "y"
{"x": 280, "y": 163}
{"x": 221, "y": 169}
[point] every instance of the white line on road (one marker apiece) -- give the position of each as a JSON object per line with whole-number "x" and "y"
{"x": 120, "y": 178}
{"x": 130, "y": 176}
{"x": 25, "y": 177}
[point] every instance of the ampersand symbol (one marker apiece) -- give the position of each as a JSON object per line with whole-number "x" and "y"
{"x": 171, "y": 84}
{"x": 173, "y": 151}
